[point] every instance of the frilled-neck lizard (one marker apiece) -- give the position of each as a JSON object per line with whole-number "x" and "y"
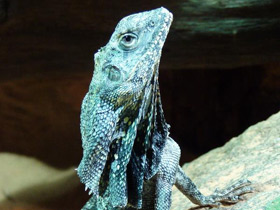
{"x": 129, "y": 160}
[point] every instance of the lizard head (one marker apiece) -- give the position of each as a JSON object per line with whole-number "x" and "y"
{"x": 123, "y": 66}
{"x": 123, "y": 90}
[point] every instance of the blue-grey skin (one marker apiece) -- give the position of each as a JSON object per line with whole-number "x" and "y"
{"x": 129, "y": 161}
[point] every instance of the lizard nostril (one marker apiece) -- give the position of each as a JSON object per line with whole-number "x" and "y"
{"x": 151, "y": 23}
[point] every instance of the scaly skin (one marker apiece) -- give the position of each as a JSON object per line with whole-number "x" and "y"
{"x": 129, "y": 161}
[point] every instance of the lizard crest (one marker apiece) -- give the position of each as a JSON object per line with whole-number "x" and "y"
{"x": 122, "y": 123}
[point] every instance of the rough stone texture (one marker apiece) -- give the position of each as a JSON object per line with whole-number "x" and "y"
{"x": 27, "y": 180}
{"x": 24, "y": 207}
{"x": 254, "y": 155}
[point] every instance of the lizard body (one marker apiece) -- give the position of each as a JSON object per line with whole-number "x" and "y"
{"x": 129, "y": 161}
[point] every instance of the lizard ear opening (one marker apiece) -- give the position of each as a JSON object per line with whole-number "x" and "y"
{"x": 112, "y": 72}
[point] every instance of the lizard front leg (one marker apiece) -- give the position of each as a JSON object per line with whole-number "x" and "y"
{"x": 171, "y": 173}
{"x": 166, "y": 176}
{"x": 230, "y": 195}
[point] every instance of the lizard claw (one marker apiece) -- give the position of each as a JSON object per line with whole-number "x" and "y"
{"x": 233, "y": 193}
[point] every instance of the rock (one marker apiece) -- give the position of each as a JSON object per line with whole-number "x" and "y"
{"x": 24, "y": 207}
{"x": 254, "y": 155}
{"x": 27, "y": 180}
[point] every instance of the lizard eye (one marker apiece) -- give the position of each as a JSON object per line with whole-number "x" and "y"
{"x": 128, "y": 41}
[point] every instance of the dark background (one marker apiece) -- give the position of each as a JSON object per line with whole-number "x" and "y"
{"x": 219, "y": 71}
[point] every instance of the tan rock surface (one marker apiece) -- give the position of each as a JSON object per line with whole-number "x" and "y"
{"x": 254, "y": 155}
{"x": 27, "y": 180}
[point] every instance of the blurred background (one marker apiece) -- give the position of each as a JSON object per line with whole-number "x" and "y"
{"x": 219, "y": 74}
